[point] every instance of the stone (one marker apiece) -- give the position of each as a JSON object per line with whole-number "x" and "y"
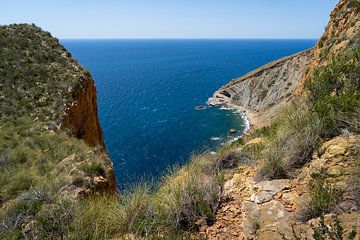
{"x": 272, "y": 214}
{"x": 335, "y": 171}
{"x": 265, "y": 190}
{"x": 317, "y": 168}
{"x": 250, "y": 220}
{"x": 339, "y": 149}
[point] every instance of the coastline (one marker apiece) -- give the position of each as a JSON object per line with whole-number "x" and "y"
{"x": 249, "y": 116}
{"x": 246, "y": 115}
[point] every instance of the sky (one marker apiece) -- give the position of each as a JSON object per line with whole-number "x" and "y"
{"x": 172, "y": 18}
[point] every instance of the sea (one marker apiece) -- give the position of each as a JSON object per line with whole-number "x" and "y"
{"x": 149, "y": 93}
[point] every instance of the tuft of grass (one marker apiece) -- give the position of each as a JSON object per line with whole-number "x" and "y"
{"x": 323, "y": 197}
{"x": 291, "y": 144}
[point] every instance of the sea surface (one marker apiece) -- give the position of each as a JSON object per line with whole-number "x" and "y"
{"x": 148, "y": 91}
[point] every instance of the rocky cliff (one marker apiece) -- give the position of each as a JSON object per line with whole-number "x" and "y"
{"x": 40, "y": 82}
{"x": 264, "y": 91}
{"x": 81, "y": 117}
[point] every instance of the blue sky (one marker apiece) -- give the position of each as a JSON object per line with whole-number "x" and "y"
{"x": 172, "y": 18}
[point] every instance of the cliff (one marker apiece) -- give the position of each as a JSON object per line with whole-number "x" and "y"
{"x": 264, "y": 91}
{"x": 82, "y": 116}
{"x": 49, "y": 122}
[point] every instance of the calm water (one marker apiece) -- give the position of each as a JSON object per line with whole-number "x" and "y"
{"x": 147, "y": 91}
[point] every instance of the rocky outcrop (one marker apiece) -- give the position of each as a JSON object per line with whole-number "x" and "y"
{"x": 264, "y": 91}
{"x": 272, "y": 209}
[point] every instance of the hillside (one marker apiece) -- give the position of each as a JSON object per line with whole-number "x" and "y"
{"x": 263, "y": 92}
{"x": 51, "y": 144}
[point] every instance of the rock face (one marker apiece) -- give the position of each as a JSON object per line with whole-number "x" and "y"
{"x": 262, "y": 92}
{"x": 82, "y": 117}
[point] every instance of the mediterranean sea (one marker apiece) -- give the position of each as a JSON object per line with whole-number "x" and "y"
{"x": 148, "y": 90}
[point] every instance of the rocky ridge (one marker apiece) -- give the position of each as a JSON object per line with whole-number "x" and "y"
{"x": 264, "y": 91}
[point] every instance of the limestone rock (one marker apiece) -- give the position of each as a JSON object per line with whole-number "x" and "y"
{"x": 267, "y": 189}
{"x": 264, "y": 91}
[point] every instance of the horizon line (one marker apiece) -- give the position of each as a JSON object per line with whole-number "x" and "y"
{"x": 188, "y": 38}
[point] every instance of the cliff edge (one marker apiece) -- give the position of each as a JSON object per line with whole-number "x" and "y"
{"x": 50, "y": 132}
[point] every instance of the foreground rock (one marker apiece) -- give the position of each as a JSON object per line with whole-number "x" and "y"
{"x": 272, "y": 209}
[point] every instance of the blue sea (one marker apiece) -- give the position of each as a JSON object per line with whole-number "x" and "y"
{"x": 148, "y": 91}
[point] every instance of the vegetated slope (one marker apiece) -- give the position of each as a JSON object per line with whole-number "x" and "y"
{"x": 296, "y": 178}
{"x": 51, "y": 144}
{"x": 39, "y": 79}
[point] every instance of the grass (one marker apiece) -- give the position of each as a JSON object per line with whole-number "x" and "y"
{"x": 290, "y": 141}
{"x": 36, "y": 156}
{"x": 167, "y": 211}
{"x": 323, "y": 197}
{"x": 185, "y": 195}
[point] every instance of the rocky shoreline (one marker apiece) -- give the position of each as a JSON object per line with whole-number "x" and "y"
{"x": 263, "y": 92}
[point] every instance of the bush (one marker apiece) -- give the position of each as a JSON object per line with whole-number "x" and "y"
{"x": 55, "y": 220}
{"x": 334, "y": 94}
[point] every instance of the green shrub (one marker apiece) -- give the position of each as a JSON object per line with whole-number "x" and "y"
{"x": 94, "y": 168}
{"x": 55, "y": 220}
{"x": 334, "y": 94}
